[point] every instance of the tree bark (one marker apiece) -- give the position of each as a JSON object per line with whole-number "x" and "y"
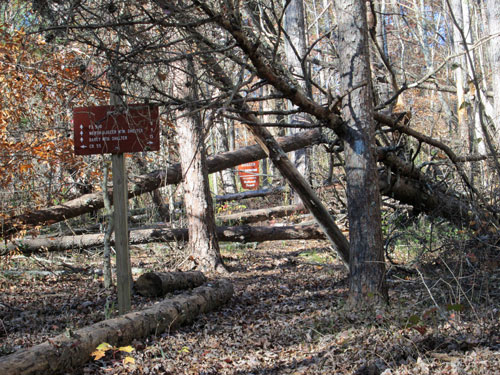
{"x": 249, "y": 194}
{"x": 64, "y": 353}
{"x": 149, "y": 182}
{"x": 434, "y": 202}
{"x": 243, "y": 234}
{"x": 493, "y": 12}
{"x": 158, "y": 284}
{"x": 460, "y": 70}
{"x": 295, "y": 51}
{"x": 366, "y": 262}
{"x": 254, "y": 216}
{"x": 203, "y": 244}
{"x": 225, "y": 131}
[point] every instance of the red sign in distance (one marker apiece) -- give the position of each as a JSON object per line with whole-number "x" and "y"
{"x": 249, "y": 175}
{"x": 114, "y": 130}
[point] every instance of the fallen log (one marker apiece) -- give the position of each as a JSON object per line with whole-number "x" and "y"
{"x": 243, "y": 234}
{"x": 158, "y": 284}
{"x": 254, "y": 216}
{"x": 149, "y": 182}
{"x": 432, "y": 202}
{"x": 65, "y": 353}
{"x": 409, "y": 185}
{"x": 249, "y": 194}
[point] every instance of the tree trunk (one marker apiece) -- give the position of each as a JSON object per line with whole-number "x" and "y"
{"x": 149, "y": 182}
{"x": 433, "y": 202}
{"x": 366, "y": 264}
{"x": 460, "y": 75}
{"x": 203, "y": 243}
{"x": 243, "y": 234}
{"x": 383, "y": 89}
{"x": 161, "y": 209}
{"x": 158, "y": 284}
{"x": 295, "y": 50}
{"x": 493, "y": 12}
{"x": 223, "y": 139}
{"x": 65, "y": 353}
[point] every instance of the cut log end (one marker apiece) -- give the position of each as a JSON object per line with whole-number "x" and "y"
{"x": 157, "y": 284}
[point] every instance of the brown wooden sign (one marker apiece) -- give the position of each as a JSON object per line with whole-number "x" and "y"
{"x": 113, "y": 130}
{"x": 249, "y": 175}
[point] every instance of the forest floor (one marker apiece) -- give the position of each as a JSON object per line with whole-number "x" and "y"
{"x": 288, "y": 315}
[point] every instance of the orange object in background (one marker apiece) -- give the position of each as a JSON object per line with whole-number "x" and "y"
{"x": 249, "y": 175}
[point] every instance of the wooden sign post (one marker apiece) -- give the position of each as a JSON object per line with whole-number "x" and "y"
{"x": 116, "y": 130}
{"x": 120, "y": 221}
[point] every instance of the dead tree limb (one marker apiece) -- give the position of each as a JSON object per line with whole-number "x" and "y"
{"x": 64, "y": 353}
{"x": 433, "y": 202}
{"x": 270, "y": 70}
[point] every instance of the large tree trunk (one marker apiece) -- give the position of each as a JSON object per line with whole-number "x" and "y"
{"x": 65, "y": 353}
{"x": 203, "y": 244}
{"x": 149, "y": 182}
{"x": 436, "y": 203}
{"x": 367, "y": 264}
{"x": 243, "y": 234}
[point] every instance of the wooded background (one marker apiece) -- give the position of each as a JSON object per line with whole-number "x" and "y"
{"x": 398, "y": 97}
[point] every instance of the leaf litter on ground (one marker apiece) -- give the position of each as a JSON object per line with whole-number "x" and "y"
{"x": 288, "y": 316}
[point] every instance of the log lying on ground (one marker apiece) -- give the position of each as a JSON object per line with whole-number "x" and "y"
{"x": 249, "y": 194}
{"x": 254, "y": 216}
{"x": 158, "y": 284}
{"x": 243, "y": 234}
{"x": 149, "y": 182}
{"x": 222, "y": 198}
{"x": 141, "y": 214}
{"x": 64, "y": 353}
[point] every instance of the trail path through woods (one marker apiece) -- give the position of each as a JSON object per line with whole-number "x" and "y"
{"x": 287, "y": 317}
